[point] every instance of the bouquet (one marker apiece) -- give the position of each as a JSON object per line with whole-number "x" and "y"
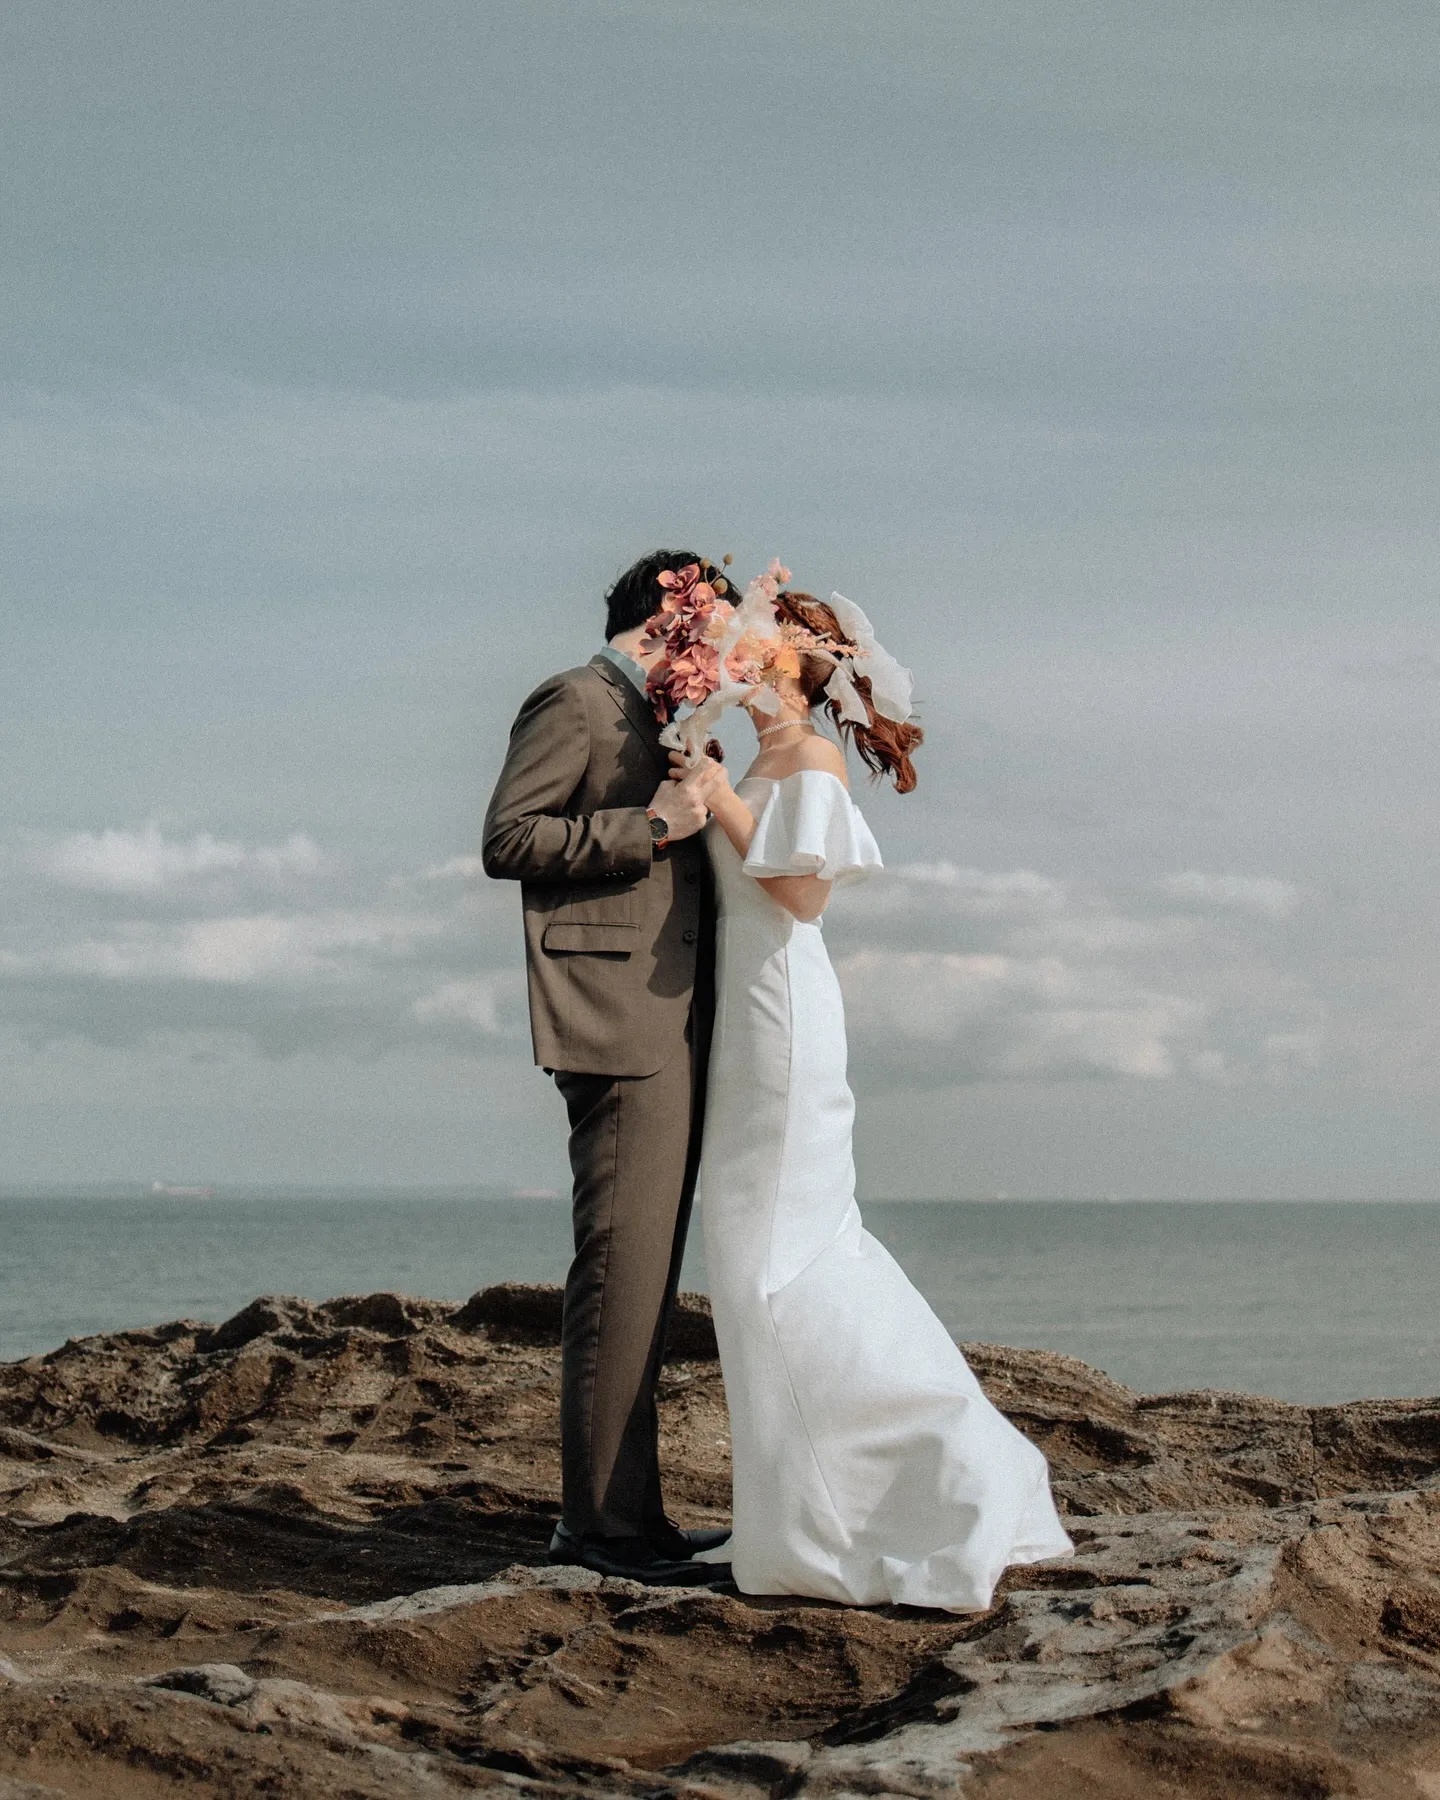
{"x": 716, "y": 653}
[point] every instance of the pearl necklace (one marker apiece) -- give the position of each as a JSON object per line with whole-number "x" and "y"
{"x": 784, "y": 725}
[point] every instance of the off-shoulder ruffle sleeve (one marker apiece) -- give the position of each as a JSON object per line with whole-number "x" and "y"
{"x": 811, "y": 826}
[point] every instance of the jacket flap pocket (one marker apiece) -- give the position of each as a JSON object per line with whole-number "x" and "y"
{"x": 570, "y": 935}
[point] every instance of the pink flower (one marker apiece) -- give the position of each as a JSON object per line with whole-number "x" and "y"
{"x": 679, "y": 578}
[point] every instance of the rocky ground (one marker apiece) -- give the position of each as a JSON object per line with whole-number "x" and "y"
{"x": 300, "y": 1555}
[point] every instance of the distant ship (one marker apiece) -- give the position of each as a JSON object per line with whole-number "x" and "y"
{"x": 182, "y": 1193}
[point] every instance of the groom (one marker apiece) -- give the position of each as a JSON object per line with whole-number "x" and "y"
{"x": 619, "y": 948}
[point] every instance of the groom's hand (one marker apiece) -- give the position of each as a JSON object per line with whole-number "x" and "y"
{"x": 681, "y": 804}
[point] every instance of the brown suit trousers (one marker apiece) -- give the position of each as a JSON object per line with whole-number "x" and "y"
{"x": 619, "y": 945}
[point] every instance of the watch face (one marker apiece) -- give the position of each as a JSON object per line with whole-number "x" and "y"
{"x": 659, "y": 831}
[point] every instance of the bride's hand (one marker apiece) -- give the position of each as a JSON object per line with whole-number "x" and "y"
{"x": 707, "y": 778}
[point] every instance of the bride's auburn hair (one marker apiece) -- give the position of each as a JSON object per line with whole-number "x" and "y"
{"x": 884, "y": 745}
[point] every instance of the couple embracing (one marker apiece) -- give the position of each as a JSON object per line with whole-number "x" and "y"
{"x": 683, "y": 1001}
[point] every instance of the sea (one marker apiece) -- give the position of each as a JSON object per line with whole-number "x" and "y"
{"x": 1308, "y": 1301}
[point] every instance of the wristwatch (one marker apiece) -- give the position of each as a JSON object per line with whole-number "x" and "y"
{"x": 659, "y": 830}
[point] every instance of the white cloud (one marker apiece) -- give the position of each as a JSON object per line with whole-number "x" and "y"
{"x": 485, "y": 1005}
{"x": 261, "y": 948}
{"x": 127, "y": 938}
{"x": 1099, "y": 930}
{"x": 961, "y": 974}
{"x": 457, "y": 868}
{"x": 991, "y": 1017}
{"x": 1263, "y": 895}
{"x": 983, "y": 893}
{"x": 147, "y": 862}
{"x": 952, "y": 973}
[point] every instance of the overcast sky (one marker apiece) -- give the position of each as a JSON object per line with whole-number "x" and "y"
{"x": 350, "y": 349}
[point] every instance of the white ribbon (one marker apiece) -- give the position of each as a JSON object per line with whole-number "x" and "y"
{"x": 842, "y": 690}
{"x": 891, "y": 685}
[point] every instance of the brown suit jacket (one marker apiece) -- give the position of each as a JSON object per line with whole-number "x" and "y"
{"x": 616, "y": 935}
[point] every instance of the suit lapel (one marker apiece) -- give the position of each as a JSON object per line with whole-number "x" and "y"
{"x": 638, "y": 711}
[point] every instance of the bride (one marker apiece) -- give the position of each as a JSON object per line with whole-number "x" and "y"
{"x": 868, "y": 1465}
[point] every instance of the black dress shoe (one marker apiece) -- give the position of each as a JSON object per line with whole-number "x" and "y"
{"x": 635, "y": 1559}
{"x": 674, "y": 1541}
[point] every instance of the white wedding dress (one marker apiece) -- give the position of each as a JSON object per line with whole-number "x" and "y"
{"x": 868, "y": 1465}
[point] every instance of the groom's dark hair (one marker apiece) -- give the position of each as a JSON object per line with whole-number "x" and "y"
{"x": 636, "y": 595}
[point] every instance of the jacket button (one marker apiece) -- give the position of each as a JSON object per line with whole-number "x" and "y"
{"x": 692, "y": 877}
{"x": 687, "y": 937}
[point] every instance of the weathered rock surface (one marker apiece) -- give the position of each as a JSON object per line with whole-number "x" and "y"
{"x": 300, "y": 1553}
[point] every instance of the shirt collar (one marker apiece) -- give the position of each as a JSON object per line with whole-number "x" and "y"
{"x": 627, "y": 666}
